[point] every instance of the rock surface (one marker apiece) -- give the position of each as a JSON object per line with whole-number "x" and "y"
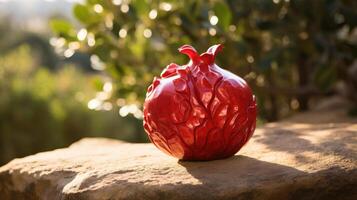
{"x": 310, "y": 156}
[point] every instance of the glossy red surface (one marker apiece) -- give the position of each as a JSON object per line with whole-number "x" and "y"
{"x": 199, "y": 111}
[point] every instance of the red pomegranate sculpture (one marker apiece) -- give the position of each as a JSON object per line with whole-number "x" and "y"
{"x": 199, "y": 111}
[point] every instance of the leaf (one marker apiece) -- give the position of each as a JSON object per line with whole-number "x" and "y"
{"x": 102, "y": 51}
{"x": 223, "y": 13}
{"x": 92, "y": 2}
{"x": 141, "y": 6}
{"x": 61, "y": 26}
{"x": 82, "y": 13}
{"x": 97, "y": 83}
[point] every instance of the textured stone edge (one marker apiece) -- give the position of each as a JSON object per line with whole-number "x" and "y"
{"x": 333, "y": 183}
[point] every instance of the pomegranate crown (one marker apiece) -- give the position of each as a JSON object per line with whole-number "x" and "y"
{"x": 207, "y": 57}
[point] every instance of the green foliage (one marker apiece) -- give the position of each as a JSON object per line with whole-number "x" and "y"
{"x": 42, "y": 110}
{"x": 222, "y": 11}
{"x": 61, "y": 26}
{"x": 288, "y": 51}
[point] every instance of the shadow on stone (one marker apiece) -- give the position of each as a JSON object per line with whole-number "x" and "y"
{"x": 250, "y": 178}
{"x": 240, "y": 169}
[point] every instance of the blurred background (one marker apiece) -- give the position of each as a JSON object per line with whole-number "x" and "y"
{"x": 80, "y": 68}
